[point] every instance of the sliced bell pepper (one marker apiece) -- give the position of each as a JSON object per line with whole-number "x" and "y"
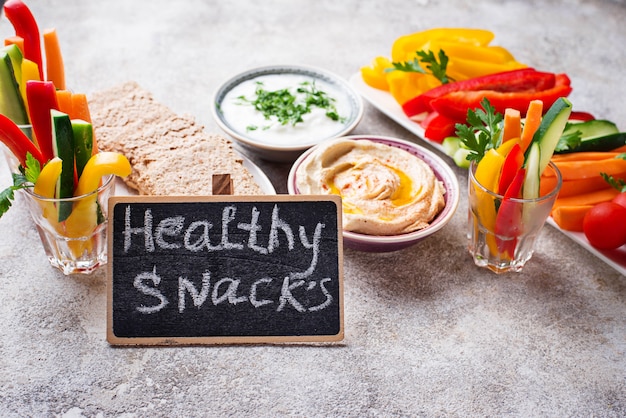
{"x": 42, "y": 99}
{"x": 45, "y": 186}
{"x": 509, "y": 219}
{"x": 456, "y": 104}
{"x": 512, "y": 163}
{"x": 488, "y": 175}
{"x": 438, "y": 127}
{"x": 375, "y": 75}
{"x": 17, "y": 142}
{"x": 514, "y": 80}
{"x": 403, "y": 49}
{"x": 25, "y": 27}
{"x": 84, "y": 217}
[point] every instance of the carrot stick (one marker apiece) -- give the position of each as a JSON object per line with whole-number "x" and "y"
{"x": 570, "y": 218}
{"x": 80, "y": 110}
{"x": 17, "y": 40}
{"x": 64, "y": 98}
{"x": 512, "y": 125}
{"x": 584, "y": 156}
{"x": 592, "y": 198}
{"x": 55, "y": 70}
{"x": 572, "y": 170}
{"x": 532, "y": 122}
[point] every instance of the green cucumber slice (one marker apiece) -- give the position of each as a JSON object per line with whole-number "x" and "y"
{"x": 550, "y": 131}
{"x": 591, "y": 128}
{"x": 533, "y": 173}
{"x": 83, "y": 143}
{"x": 11, "y": 102}
{"x": 63, "y": 147}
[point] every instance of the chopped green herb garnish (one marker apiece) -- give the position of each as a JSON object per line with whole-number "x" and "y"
{"x": 289, "y": 108}
{"x": 434, "y": 67}
{"x": 482, "y": 131}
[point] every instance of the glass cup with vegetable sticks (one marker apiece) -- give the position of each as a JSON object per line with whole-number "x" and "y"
{"x": 512, "y": 184}
{"x": 502, "y": 231}
{"x": 76, "y": 243}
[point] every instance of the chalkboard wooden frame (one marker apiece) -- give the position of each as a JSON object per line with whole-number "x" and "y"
{"x": 159, "y": 243}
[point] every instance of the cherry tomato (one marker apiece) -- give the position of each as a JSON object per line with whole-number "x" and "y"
{"x": 604, "y": 225}
{"x": 620, "y": 199}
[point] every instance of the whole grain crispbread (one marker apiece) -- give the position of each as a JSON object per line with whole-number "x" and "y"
{"x": 170, "y": 154}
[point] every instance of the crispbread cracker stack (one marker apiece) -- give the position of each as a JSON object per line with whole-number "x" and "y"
{"x": 170, "y": 154}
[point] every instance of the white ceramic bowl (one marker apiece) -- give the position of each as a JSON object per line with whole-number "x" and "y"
{"x": 379, "y": 243}
{"x": 286, "y": 147}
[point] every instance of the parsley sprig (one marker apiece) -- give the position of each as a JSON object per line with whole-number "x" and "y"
{"x": 434, "y": 67}
{"x": 482, "y": 131}
{"x": 618, "y": 184}
{"x": 22, "y": 180}
{"x": 289, "y": 108}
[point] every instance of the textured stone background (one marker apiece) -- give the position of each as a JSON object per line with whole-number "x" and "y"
{"x": 427, "y": 333}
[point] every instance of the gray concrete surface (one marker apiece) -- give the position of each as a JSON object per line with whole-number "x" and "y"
{"x": 427, "y": 333}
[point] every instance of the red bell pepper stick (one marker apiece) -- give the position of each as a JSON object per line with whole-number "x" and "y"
{"x": 514, "y": 80}
{"x": 509, "y": 217}
{"x": 512, "y": 163}
{"x": 17, "y": 142}
{"x": 455, "y": 105}
{"x": 438, "y": 127}
{"x": 25, "y": 27}
{"x": 42, "y": 98}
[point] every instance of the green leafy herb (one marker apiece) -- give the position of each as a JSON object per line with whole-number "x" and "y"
{"x": 289, "y": 108}
{"x": 482, "y": 131}
{"x": 22, "y": 180}
{"x": 618, "y": 184}
{"x": 434, "y": 67}
{"x": 569, "y": 141}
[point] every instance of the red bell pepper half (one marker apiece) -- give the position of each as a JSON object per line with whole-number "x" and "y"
{"x": 25, "y": 27}
{"x": 17, "y": 142}
{"x": 455, "y": 105}
{"x": 42, "y": 98}
{"x": 438, "y": 127}
{"x": 509, "y": 217}
{"x": 523, "y": 79}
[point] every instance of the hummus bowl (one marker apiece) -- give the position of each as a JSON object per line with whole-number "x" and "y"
{"x": 252, "y": 108}
{"x": 443, "y": 174}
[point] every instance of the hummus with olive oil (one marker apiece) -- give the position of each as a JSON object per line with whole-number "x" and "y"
{"x": 385, "y": 190}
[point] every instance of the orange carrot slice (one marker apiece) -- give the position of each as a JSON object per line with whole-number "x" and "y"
{"x": 570, "y": 218}
{"x": 17, "y": 40}
{"x": 592, "y": 198}
{"x": 55, "y": 70}
{"x": 573, "y": 170}
{"x": 512, "y": 125}
{"x": 533, "y": 120}
{"x": 64, "y": 99}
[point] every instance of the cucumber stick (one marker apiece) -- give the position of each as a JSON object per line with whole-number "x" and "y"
{"x": 550, "y": 130}
{"x": 83, "y": 143}
{"x": 11, "y": 101}
{"x": 541, "y": 148}
{"x": 63, "y": 147}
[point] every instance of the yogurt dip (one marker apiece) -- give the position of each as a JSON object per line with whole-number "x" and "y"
{"x": 245, "y": 118}
{"x": 385, "y": 190}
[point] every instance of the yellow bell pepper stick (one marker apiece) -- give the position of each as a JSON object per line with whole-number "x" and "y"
{"x": 488, "y": 175}
{"x": 45, "y": 186}
{"x": 83, "y": 220}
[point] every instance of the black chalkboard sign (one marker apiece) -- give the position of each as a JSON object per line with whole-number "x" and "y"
{"x": 224, "y": 269}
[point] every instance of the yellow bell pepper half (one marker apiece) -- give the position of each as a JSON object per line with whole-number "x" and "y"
{"x": 469, "y": 56}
